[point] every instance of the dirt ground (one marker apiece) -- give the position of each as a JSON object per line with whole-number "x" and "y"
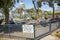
{"x": 6, "y": 39}
{"x": 56, "y": 33}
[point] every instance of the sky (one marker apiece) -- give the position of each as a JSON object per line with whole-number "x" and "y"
{"x": 29, "y": 4}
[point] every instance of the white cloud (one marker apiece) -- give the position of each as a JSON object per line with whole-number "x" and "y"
{"x": 45, "y": 7}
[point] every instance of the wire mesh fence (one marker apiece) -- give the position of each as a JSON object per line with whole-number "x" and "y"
{"x": 38, "y": 31}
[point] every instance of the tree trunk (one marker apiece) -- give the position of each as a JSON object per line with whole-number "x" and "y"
{"x": 6, "y": 13}
{"x": 7, "y": 18}
{"x": 35, "y": 8}
{"x": 53, "y": 12}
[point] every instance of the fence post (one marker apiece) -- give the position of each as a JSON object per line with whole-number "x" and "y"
{"x": 50, "y": 28}
{"x": 58, "y": 25}
{"x": 9, "y": 30}
{"x": 34, "y": 32}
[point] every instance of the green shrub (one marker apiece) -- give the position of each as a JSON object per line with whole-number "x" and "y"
{"x": 58, "y": 35}
{"x": 56, "y": 13}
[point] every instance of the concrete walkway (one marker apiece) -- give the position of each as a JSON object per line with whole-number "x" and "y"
{"x": 50, "y": 38}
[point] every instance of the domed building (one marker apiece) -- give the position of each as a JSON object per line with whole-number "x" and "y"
{"x": 21, "y": 10}
{"x": 22, "y": 5}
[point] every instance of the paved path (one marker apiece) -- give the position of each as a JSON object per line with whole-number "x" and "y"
{"x": 50, "y": 38}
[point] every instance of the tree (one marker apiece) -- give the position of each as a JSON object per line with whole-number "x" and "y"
{"x": 35, "y": 7}
{"x": 6, "y": 5}
{"x": 39, "y": 3}
{"x": 58, "y": 2}
{"x": 51, "y": 4}
{"x": 30, "y": 10}
{"x": 19, "y": 10}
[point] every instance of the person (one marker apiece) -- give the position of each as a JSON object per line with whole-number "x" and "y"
{"x": 12, "y": 22}
{"x": 28, "y": 18}
{"x": 46, "y": 18}
{"x": 54, "y": 17}
{"x": 1, "y": 20}
{"x": 1, "y": 28}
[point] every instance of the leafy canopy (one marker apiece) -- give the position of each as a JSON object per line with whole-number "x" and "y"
{"x": 7, "y": 3}
{"x": 49, "y": 1}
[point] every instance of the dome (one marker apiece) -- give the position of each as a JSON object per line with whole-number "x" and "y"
{"x": 21, "y": 3}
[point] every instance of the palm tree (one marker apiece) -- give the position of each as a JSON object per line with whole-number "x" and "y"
{"x": 6, "y": 5}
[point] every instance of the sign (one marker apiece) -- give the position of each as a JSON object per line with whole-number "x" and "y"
{"x": 28, "y": 28}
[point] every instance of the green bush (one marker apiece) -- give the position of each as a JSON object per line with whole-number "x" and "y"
{"x": 58, "y": 35}
{"x": 56, "y": 13}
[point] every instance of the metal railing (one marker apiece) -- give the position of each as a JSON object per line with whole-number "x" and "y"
{"x": 40, "y": 31}
{"x": 49, "y": 29}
